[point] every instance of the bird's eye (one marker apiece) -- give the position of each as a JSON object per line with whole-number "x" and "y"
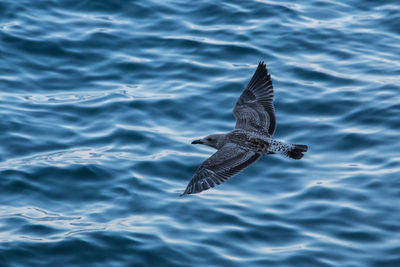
{"x": 208, "y": 139}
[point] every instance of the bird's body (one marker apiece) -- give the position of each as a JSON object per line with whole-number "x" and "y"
{"x": 251, "y": 138}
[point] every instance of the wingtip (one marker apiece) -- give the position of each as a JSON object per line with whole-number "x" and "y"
{"x": 262, "y": 68}
{"x": 186, "y": 192}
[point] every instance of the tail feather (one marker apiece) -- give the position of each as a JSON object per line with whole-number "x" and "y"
{"x": 297, "y": 151}
{"x": 293, "y": 151}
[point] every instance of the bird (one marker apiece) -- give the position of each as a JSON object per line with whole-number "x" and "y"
{"x": 252, "y": 137}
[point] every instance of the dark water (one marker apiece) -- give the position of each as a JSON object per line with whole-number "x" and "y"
{"x": 99, "y": 101}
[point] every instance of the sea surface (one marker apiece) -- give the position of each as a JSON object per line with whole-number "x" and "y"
{"x": 100, "y": 100}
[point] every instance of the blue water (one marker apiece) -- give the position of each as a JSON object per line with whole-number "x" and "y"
{"x": 99, "y": 101}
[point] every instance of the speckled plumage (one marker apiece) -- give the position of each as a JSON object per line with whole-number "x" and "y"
{"x": 251, "y": 138}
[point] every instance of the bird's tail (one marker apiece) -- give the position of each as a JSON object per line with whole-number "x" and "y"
{"x": 297, "y": 151}
{"x": 292, "y": 151}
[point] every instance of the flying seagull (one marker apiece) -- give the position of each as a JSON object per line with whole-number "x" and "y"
{"x": 251, "y": 138}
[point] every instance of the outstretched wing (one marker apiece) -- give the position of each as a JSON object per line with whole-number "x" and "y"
{"x": 254, "y": 109}
{"x": 226, "y": 162}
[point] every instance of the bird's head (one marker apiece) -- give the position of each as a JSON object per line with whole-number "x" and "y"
{"x": 213, "y": 140}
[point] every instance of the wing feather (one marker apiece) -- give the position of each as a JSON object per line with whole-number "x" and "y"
{"x": 226, "y": 162}
{"x": 254, "y": 109}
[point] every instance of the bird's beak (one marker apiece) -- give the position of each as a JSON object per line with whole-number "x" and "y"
{"x": 197, "y": 142}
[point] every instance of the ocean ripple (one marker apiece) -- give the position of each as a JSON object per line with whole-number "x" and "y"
{"x": 100, "y": 100}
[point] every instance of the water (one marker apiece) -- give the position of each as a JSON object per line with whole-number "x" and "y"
{"x": 99, "y": 101}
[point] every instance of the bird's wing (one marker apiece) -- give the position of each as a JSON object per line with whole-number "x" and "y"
{"x": 254, "y": 109}
{"x": 223, "y": 164}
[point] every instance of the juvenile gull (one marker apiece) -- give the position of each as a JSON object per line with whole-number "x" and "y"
{"x": 251, "y": 138}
